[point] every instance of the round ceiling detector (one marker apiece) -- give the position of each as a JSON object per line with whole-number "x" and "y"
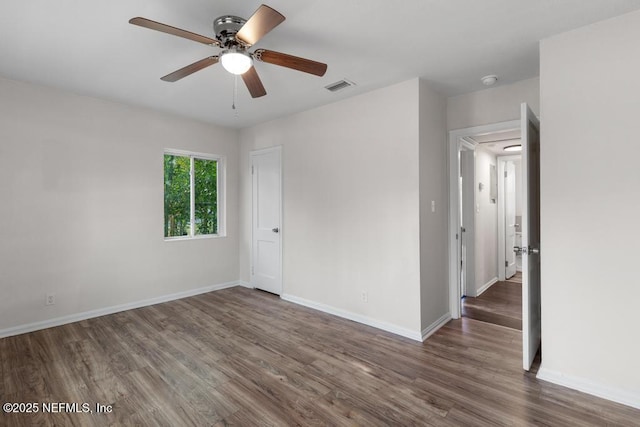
{"x": 489, "y": 80}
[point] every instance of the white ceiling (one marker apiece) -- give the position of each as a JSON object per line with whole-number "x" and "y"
{"x": 496, "y": 142}
{"x": 88, "y": 47}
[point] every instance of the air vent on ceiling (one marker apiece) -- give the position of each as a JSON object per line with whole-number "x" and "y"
{"x": 339, "y": 85}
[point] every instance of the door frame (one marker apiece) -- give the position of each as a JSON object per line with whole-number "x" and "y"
{"x": 458, "y": 142}
{"x": 502, "y": 160}
{"x": 252, "y": 153}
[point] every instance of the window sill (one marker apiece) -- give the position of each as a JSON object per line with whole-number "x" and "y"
{"x": 186, "y": 238}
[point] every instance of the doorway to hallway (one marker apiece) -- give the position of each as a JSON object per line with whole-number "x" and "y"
{"x": 529, "y": 129}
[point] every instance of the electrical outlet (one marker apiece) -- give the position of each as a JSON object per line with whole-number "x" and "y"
{"x": 365, "y": 296}
{"x": 50, "y": 299}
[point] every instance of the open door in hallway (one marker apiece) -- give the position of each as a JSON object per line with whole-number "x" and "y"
{"x": 531, "y": 326}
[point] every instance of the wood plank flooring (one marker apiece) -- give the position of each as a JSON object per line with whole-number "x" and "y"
{"x": 516, "y": 278}
{"x": 501, "y": 304}
{"x": 247, "y": 358}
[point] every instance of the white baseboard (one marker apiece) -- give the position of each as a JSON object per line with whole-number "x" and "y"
{"x": 407, "y": 333}
{"x": 433, "y": 328}
{"x": 590, "y": 387}
{"x": 486, "y": 286}
{"x": 58, "y": 321}
{"x": 245, "y": 284}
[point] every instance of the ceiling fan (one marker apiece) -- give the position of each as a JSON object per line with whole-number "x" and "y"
{"x": 235, "y": 36}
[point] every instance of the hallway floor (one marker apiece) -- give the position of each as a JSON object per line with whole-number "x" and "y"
{"x": 501, "y": 304}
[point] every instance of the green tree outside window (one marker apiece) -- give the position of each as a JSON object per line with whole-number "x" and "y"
{"x": 190, "y": 208}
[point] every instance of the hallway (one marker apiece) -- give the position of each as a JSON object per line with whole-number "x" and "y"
{"x": 501, "y": 304}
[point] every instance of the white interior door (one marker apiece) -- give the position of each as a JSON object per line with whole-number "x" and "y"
{"x": 463, "y": 242}
{"x": 266, "y": 254}
{"x": 510, "y": 218}
{"x": 531, "y": 327}
{"x": 468, "y": 159}
{"x": 467, "y": 222}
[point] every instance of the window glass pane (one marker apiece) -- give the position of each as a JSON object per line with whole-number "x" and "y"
{"x": 177, "y": 196}
{"x": 206, "y": 195}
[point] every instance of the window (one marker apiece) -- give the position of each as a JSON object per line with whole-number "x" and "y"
{"x": 193, "y": 195}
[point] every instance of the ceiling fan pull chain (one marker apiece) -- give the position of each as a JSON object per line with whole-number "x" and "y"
{"x": 235, "y": 91}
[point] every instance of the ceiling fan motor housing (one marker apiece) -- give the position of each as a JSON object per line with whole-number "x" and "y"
{"x": 226, "y": 27}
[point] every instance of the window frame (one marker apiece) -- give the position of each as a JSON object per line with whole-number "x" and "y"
{"x": 221, "y": 171}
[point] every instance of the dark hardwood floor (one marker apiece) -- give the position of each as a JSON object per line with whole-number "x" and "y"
{"x": 516, "y": 278}
{"x": 242, "y": 357}
{"x": 501, "y": 304}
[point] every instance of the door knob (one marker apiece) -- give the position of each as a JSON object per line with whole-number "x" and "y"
{"x": 534, "y": 251}
{"x": 275, "y": 230}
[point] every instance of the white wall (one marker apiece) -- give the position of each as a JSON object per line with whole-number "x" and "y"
{"x": 486, "y": 235}
{"x": 590, "y": 197}
{"x": 493, "y": 105}
{"x": 351, "y": 204}
{"x": 434, "y": 293}
{"x": 81, "y": 211}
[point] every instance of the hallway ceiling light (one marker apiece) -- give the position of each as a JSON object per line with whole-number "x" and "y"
{"x": 489, "y": 80}
{"x": 517, "y": 147}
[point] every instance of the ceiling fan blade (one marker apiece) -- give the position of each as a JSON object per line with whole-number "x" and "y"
{"x": 254, "y": 84}
{"x": 290, "y": 61}
{"x": 190, "y": 69}
{"x": 147, "y": 23}
{"x": 261, "y": 22}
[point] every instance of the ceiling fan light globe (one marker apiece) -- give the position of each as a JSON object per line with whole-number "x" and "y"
{"x": 236, "y": 62}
